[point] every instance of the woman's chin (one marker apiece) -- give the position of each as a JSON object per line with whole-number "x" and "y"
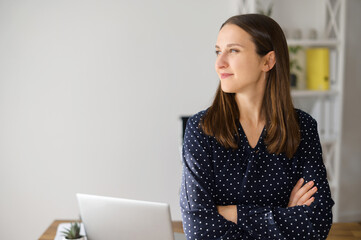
{"x": 228, "y": 89}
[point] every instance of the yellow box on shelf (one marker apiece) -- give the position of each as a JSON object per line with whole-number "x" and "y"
{"x": 317, "y": 65}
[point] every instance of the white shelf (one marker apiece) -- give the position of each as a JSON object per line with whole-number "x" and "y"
{"x": 313, "y": 43}
{"x": 313, "y": 93}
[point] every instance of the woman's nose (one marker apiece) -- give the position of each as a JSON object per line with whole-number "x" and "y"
{"x": 221, "y": 61}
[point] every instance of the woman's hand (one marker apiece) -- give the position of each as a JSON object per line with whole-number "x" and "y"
{"x": 229, "y": 212}
{"x": 302, "y": 195}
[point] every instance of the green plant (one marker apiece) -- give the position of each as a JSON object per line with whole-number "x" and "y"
{"x": 294, "y": 65}
{"x": 73, "y": 232}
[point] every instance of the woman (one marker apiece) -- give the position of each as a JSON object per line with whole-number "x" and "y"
{"x": 252, "y": 164}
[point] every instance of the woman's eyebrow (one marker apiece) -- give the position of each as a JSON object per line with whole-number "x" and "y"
{"x": 231, "y": 45}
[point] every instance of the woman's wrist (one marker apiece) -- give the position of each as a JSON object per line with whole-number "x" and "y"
{"x": 229, "y": 212}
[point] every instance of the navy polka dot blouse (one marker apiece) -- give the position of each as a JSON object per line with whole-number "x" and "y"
{"x": 258, "y": 182}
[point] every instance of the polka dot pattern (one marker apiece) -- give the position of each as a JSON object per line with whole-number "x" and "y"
{"x": 258, "y": 182}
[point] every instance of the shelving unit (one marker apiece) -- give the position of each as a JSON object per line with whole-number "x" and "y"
{"x": 313, "y": 43}
{"x": 327, "y": 17}
{"x": 312, "y": 93}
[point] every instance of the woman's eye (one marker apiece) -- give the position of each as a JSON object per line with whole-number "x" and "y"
{"x": 230, "y": 50}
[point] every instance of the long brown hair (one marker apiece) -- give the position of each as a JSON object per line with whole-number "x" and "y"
{"x": 282, "y": 129}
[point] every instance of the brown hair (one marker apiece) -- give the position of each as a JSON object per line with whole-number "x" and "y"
{"x": 283, "y": 134}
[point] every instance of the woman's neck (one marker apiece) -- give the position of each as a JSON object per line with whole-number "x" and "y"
{"x": 250, "y": 107}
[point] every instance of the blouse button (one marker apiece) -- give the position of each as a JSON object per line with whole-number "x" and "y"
{"x": 257, "y": 150}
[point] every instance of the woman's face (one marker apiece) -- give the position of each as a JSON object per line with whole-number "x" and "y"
{"x": 238, "y": 65}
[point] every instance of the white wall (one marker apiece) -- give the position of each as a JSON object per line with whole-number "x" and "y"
{"x": 350, "y": 191}
{"x": 90, "y": 98}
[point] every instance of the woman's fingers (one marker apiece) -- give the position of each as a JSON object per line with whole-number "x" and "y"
{"x": 299, "y": 192}
{"x": 309, "y": 201}
{"x": 304, "y": 189}
{"x": 307, "y": 196}
{"x": 301, "y": 195}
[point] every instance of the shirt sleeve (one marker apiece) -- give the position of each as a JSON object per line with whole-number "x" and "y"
{"x": 201, "y": 219}
{"x": 299, "y": 222}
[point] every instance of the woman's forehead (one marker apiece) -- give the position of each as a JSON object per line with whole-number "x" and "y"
{"x": 232, "y": 34}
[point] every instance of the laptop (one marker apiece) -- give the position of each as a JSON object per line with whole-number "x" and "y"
{"x": 108, "y": 218}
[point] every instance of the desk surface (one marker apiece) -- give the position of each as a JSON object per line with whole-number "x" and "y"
{"x": 339, "y": 231}
{"x": 50, "y": 233}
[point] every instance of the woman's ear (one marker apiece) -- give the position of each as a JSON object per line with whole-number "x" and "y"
{"x": 269, "y": 61}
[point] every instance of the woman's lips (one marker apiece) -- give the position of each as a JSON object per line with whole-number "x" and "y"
{"x": 225, "y": 75}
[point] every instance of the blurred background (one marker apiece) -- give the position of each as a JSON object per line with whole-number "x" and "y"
{"x": 92, "y": 94}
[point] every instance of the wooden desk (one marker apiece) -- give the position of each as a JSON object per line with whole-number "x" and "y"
{"x": 50, "y": 233}
{"x": 339, "y": 231}
{"x": 345, "y": 231}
